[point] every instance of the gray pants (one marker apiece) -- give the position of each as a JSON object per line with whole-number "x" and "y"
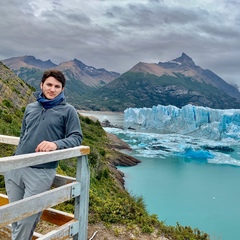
{"x": 23, "y": 183}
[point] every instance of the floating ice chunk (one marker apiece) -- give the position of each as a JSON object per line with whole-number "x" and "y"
{"x": 199, "y": 153}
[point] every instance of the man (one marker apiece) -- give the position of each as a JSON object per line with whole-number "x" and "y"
{"x": 48, "y": 124}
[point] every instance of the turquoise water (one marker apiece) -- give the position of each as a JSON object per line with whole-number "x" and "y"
{"x": 197, "y": 192}
{"x": 200, "y": 195}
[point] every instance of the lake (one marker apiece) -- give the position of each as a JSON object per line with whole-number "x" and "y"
{"x": 195, "y": 192}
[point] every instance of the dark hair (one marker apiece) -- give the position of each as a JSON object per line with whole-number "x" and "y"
{"x": 56, "y": 74}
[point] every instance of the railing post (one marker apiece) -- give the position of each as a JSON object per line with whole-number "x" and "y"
{"x": 82, "y": 201}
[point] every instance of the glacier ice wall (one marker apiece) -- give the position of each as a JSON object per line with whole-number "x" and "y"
{"x": 205, "y": 122}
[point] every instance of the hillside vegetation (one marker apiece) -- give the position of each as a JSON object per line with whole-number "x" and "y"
{"x": 110, "y": 203}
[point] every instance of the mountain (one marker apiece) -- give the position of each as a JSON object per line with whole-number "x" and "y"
{"x": 15, "y": 94}
{"x": 187, "y": 67}
{"x": 17, "y": 63}
{"x": 178, "y": 82}
{"x": 80, "y": 77}
{"x": 14, "y": 90}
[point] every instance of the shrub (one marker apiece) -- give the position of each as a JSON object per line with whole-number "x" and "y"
{"x": 7, "y": 103}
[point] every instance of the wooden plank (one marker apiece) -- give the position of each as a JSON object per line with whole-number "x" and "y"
{"x": 61, "y": 233}
{"x": 9, "y": 140}
{"x": 56, "y": 217}
{"x": 36, "y": 235}
{"x": 3, "y": 199}
{"x": 50, "y": 215}
{"x": 15, "y": 140}
{"x": 26, "y": 207}
{"x": 24, "y": 160}
{"x": 6, "y": 231}
{"x": 61, "y": 180}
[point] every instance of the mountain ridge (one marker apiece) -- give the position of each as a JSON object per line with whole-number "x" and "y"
{"x": 186, "y": 65}
{"x": 80, "y": 77}
{"x": 28, "y": 61}
{"x": 90, "y": 76}
{"x": 177, "y": 82}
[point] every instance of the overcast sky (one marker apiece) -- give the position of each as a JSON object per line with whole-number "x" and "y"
{"x": 117, "y": 34}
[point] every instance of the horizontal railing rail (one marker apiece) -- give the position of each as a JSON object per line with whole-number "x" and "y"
{"x": 66, "y": 188}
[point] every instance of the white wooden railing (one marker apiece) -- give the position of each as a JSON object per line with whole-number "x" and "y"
{"x": 64, "y": 188}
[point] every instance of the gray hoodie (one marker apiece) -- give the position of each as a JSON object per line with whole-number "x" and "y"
{"x": 59, "y": 124}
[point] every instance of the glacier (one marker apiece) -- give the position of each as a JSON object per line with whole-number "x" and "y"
{"x": 151, "y": 143}
{"x": 196, "y": 121}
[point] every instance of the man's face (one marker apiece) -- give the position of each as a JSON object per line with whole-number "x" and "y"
{"x": 51, "y": 88}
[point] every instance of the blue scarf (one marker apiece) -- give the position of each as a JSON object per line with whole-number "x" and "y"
{"x": 46, "y": 103}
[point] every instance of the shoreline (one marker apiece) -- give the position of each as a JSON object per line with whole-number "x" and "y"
{"x": 108, "y": 112}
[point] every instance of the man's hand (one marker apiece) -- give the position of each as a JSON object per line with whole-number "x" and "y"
{"x": 46, "y": 146}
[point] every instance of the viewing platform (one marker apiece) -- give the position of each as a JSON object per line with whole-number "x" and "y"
{"x": 68, "y": 226}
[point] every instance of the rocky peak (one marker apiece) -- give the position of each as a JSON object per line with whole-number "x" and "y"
{"x": 180, "y": 62}
{"x": 80, "y": 64}
{"x": 185, "y": 60}
{"x": 28, "y": 59}
{"x": 15, "y": 63}
{"x": 32, "y": 61}
{"x": 96, "y": 72}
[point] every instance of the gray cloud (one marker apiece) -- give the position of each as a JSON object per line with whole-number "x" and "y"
{"x": 116, "y": 35}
